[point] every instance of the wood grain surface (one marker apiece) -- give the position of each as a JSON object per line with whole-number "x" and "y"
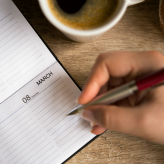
{"x": 138, "y": 30}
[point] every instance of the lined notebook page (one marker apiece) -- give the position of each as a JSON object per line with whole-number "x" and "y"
{"x": 35, "y": 95}
{"x": 36, "y": 129}
{"x": 22, "y": 53}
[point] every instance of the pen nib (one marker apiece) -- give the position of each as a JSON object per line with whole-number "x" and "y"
{"x": 73, "y": 113}
{"x": 76, "y": 110}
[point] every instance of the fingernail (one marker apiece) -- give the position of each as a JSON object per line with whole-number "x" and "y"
{"x": 91, "y": 130}
{"x": 87, "y": 115}
{"x": 92, "y": 124}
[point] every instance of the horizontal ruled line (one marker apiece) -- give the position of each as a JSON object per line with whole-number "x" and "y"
{"x": 47, "y": 94}
{"x": 12, "y": 38}
{"x": 16, "y": 42}
{"x": 11, "y": 115}
{"x": 5, "y": 17}
{"x": 22, "y": 63}
{"x": 46, "y": 89}
{"x": 18, "y": 59}
{"x": 58, "y": 122}
{"x": 36, "y": 64}
{"x": 8, "y": 28}
{"x": 12, "y": 120}
{"x": 14, "y": 49}
{"x": 67, "y": 129}
{"x": 58, "y": 110}
{"x": 14, "y": 125}
{"x": 22, "y": 139}
{"x": 53, "y": 101}
{"x": 40, "y": 156}
{"x": 27, "y": 147}
{"x": 77, "y": 139}
{"x": 10, "y": 34}
{"x": 15, "y": 131}
{"x": 76, "y": 134}
{"x": 7, "y": 22}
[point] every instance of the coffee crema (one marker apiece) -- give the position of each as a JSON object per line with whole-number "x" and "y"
{"x": 91, "y": 13}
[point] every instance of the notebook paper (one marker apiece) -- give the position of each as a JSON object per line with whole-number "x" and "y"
{"x": 36, "y": 94}
{"x": 22, "y": 54}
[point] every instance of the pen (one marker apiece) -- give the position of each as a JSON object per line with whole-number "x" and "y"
{"x": 123, "y": 91}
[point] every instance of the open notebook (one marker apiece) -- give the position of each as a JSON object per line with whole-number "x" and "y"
{"x": 35, "y": 95}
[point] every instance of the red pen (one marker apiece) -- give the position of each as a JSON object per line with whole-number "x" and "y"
{"x": 124, "y": 91}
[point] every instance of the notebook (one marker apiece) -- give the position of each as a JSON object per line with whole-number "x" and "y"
{"x": 36, "y": 93}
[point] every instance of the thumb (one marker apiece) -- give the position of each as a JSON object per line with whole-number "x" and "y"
{"x": 122, "y": 119}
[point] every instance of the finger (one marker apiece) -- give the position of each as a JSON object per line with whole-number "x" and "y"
{"x": 138, "y": 97}
{"x": 123, "y": 103}
{"x": 126, "y": 65}
{"x": 103, "y": 89}
{"x": 94, "y": 82}
{"x": 116, "y": 81}
{"x": 98, "y": 130}
{"x": 122, "y": 119}
{"x": 133, "y": 100}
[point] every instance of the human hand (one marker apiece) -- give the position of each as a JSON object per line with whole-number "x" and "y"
{"x": 141, "y": 114}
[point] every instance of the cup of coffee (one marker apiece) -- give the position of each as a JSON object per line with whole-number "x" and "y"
{"x": 84, "y": 20}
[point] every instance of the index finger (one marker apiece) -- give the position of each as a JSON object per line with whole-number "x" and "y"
{"x": 118, "y": 65}
{"x": 104, "y": 67}
{"x": 98, "y": 77}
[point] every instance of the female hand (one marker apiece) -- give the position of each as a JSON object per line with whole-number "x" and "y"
{"x": 141, "y": 114}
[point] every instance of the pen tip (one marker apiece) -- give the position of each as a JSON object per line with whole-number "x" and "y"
{"x": 72, "y": 113}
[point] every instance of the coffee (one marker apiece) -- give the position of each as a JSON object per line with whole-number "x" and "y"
{"x": 83, "y": 14}
{"x": 70, "y": 6}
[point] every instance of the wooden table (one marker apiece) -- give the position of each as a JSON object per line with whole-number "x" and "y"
{"x": 138, "y": 30}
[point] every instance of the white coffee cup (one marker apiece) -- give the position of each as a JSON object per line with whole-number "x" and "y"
{"x": 87, "y": 35}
